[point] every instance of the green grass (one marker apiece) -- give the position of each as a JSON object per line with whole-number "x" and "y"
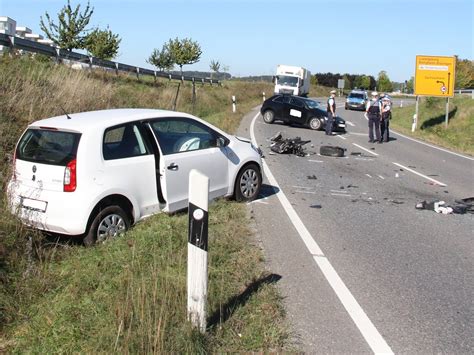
{"x": 128, "y": 295}
{"x": 458, "y": 136}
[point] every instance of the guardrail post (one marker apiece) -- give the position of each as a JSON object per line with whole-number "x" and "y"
{"x": 202, "y": 80}
{"x": 197, "y": 277}
{"x": 176, "y": 98}
{"x": 194, "y": 95}
{"x": 58, "y": 54}
{"x": 210, "y": 81}
{"x": 401, "y": 103}
{"x": 233, "y": 104}
{"x": 138, "y": 73}
{"x": 116, "y": 68}
{"x": 90, "y": 63}
{"x": 182, "y": 79}
{"x": 169, "y": 76}
{"x": 154, "y": 76}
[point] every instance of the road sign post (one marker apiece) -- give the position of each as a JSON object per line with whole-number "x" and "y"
{"x": 340, "y": 85}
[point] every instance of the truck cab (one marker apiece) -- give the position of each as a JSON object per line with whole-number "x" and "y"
{"x": 292, "y": 80}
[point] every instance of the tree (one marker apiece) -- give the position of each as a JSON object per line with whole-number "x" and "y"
{"x": 383, "y": 82}
{"x": 102, "y": 44}
{"x": 410, "y": 85}
{"x": 161, "y": 59}
{"x": 215, "y": 66}
{"x": 69, "y": 32}
{"x": 185, "y": 51}
{"x": 464, "y": 73}
{"x": 365, "y": 82}
{"x": 347, "y": 81}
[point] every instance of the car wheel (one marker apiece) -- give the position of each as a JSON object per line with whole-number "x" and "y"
{"x": 268, "y": 116}
{"x": 110, "y": 222}
{"x": 331, "y": 151}
{"x": 248, "y": 183}
{"x": 316, "y": 123}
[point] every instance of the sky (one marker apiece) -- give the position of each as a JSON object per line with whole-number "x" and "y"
{"x": 251, "y": 37}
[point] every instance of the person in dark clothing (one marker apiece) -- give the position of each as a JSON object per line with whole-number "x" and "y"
{"x": 386, "y": 116}
{"x": 331, "y": 110}
{"x": 373, "y": 113}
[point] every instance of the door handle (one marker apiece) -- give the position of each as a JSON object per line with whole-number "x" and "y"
{"x": 173, "y": 167}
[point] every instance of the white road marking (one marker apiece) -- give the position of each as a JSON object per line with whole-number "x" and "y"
{"x": 358, "y": 134}
{"x": 257, "y": 201}
{"x": 433, "y": 146}
{"x": 333, "y": 194}
{"x": 340, "y": 191}
{"x": 316, "y": 161}
{"x": 370, "y": 176}
{"x": 306, "y": 192}
{"x": 380, "y": 176}
{"x": 341, "y": 137}
{"x": 371, "y": 335}
{"x": 419, "y": 174}
{"x": 350, "y": 123}
{"x": 367, "y": 150}
{"x": 366, "y": 159}
{"x": 302, "y": 187}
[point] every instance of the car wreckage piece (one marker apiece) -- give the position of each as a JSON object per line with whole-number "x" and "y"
{"x": 281, "y": 145}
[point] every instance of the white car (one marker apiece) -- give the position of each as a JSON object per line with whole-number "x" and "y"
{"x": 96, "y": 173}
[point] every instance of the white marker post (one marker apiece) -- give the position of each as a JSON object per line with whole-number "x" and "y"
{"x": 263, "y": 94}
{"x": 197, "y": 248}
{"x": 233, "y": 104}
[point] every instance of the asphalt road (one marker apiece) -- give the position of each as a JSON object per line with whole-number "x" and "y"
{"x": 363, "y": 270}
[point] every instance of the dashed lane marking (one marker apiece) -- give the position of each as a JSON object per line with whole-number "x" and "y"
{"x": 370, "y": 176}
{"x": 315, "y": 161}
{"x": 419, "y": 174}
{"x": 350, "y": 123}
{"x": 367, "y": 150}
{"x": 341, "y": 137}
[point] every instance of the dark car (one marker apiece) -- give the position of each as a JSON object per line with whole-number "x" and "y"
{"x": 300, "y": 110}
{"x": 357, "y": 99}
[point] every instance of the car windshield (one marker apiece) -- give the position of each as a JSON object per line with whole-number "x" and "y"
{"x": 287, "y": 80}
{"x": 48, "y": 146}
{"x": 356, "y": 96}
{"x": 312, "y": 103}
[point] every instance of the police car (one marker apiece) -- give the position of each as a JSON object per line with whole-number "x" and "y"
{"x": 357, "y": 99}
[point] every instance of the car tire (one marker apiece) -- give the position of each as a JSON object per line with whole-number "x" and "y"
{"x": 331, "y": 151}
{"x": 316, "y": 124}
{"x": 109, "y": 222}
{"x": 248, "y": 183}
{"x": 268, "y": 116}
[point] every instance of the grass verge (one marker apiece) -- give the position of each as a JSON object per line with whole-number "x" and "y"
{"x": 459, "y": 135}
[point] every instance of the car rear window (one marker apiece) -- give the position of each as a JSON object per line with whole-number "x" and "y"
{"x": 48, "y": 146}
{"x": 356, "y": 96}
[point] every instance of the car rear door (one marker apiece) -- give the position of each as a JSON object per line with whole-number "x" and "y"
{"x": 296, "y": 110}
{"x": 187, "y": 144}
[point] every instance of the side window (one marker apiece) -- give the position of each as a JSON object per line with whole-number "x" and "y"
{"x": 124, "y": 141}
{"x": 178, "y": 134}
{"x": 297, "y": 102}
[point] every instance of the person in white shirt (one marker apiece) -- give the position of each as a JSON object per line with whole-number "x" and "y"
{"x": 386, "y": 116}
{"x": 373, "y": 113}
{"x": 331, "y": 110}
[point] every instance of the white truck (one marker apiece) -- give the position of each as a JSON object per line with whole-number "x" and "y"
{"x": 292, "y": 80}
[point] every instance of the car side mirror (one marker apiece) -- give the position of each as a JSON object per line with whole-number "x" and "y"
{"x": 222, "y": 142}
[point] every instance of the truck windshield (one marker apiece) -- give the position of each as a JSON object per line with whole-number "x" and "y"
{"x": 287, "y": 80}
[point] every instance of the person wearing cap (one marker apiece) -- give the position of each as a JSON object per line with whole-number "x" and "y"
{"x": 373, "y": 113}
{"x": 331, "y": 110}
{"x": 386, "y": 116}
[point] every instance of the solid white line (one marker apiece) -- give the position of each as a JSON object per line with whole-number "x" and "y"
{"x": 433, "y": 146}
{"x": 342, "y": 137}
{"x": 358, "y": 134}
{"x": 316, "y": 161}
{"x": 369, "y": 176}
{"x": 419, "y": 174}
{"x": 333, "y": 194}
{"x": 367, "y": 150}
{"x": 340, "y": 191}
{"x": 371, "y": 335}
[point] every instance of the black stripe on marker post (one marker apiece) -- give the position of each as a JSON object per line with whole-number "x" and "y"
{"x": 198, "y": 220}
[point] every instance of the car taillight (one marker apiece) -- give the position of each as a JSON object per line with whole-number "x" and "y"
{"x": 70, "y": 181}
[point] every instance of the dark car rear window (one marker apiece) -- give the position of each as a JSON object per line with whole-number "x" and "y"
{"x": 48, "y": 146}
{"x": 356, "y": 96}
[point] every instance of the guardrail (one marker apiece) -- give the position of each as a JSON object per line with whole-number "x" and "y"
{"x": 58, "y": 53}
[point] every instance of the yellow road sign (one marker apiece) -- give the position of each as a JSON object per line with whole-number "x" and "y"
{"x": 434, "y": 76}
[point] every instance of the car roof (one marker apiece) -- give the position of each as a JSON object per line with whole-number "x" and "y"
{"x": 91, "y": 120}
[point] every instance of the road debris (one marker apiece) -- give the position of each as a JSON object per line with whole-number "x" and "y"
{"x": 312, "y": 177}
{"x": 316, "y": 206}
{"x": 331, "y": 151}
{"x": 459, "y": 207}
{"x": 281, "y": 145}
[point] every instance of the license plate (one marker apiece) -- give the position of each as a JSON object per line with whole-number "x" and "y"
{"x": 34, "y": 205}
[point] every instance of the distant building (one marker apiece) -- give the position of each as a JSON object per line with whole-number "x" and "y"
{"x": 21, "y": 31}
{"x": 8, "y": 27}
